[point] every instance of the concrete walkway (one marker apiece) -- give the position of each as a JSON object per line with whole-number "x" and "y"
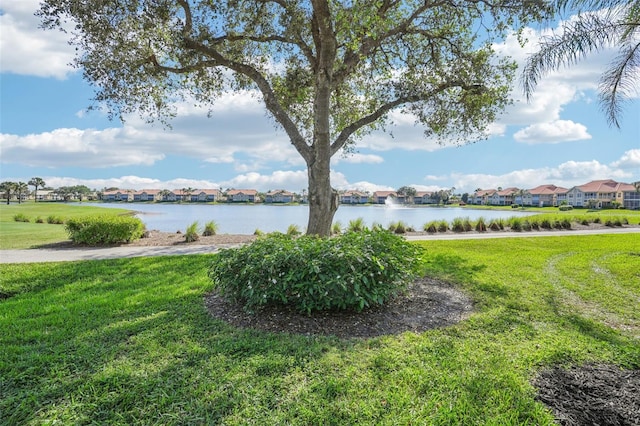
{"x": 97, "y": 253}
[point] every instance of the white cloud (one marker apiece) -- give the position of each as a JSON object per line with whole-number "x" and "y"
{"x": 629, "y": 160}
{"x": 28, "y": 50}
{"x": 357, "y": 158}
{"x": 553, "y": 132}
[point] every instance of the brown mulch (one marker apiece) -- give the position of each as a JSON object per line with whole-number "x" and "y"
{"x": 427, "y": 304}
{"x": 591, "y": 395}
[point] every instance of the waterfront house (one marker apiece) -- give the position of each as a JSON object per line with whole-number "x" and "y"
{"x": 278, "y": 196}
{"x": 601, "y": 193}
{"x": 354, "y": 197}
{"x": 206, "y": 195}
{"x": 242, "y": 195}
{"x": 380, "y": 197}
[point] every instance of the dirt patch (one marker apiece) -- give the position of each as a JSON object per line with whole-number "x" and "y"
{"x": 427, "y": 304}
{"x": 603, "y": 395}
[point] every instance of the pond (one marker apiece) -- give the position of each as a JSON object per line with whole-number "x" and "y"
{"x": 246, "y": 218}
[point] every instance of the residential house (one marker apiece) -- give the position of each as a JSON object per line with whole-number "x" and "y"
{"x": 599, "y": 194}
{"x": 503, "y": 197}
{"x": 242, "y": 195}
{"x": 176, "y": 195}
{"x": 546, "y": 196}
{"x": 423, "y": 197}
{"x": 278, "y": 196}
{"x": 147, "y": 195}
{"x": 354, "y": 197}
{"x": 630, "y": 195}
{"x": 118, "y": 195}
{"x": 206, "y": 195}
{"x": 482, "y": 197}
{"x": 380, "y": 197}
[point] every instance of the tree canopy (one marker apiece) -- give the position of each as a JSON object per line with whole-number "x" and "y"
{"x": 328, "y": 71}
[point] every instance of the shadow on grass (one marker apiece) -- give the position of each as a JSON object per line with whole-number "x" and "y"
{"x": 114, "y": 341}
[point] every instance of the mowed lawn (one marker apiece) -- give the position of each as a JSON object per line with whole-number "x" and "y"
{"x": 19, "y": 235}
{"x": 125, "y": 342}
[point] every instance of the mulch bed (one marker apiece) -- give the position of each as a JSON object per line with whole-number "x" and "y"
{"x": 427, "y": 304}
{"x": 594, "y": 394}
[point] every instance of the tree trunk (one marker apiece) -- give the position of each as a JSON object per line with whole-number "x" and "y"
{"x": 323, "y": 200}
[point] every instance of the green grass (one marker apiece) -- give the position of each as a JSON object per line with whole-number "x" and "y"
{"x": 129, "y": 342}
{"x": 19, "y": 235}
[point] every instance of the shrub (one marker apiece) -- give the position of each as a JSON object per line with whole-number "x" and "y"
{"x": 430, "y": 227}
{"x": 356, "y": 225}
{"x": 336, "y": 228}
{"x": 481, "y": 226}
{"x": 545, "y": 224}
{"x": 526, "y": 225}
{"x": 565, "y": 207}
{"x": 39, "y": 220}
{"x": 584, "y": 221}
{"x": 210, "y": 228}
{"x": 348, "y": 272}
{"x": 258, "y": 232}
{"x": 102, "y": 230}
{"x": 625, "y": 221}
{"x": 566, "y": 223}
{"x": 191, "y": 234}
{"x": 597, "y": 220}
{"x": 400, "y": 227}
{"x": 57, "y": 220}
{"x": 515, "y": 223}
{"x": 377, "y": 226}
{"x": 534, "y": 224}
{"x": 613, "y": 222}
{"x": 457, "y": 225}
{"x": 557, "y": 224}
{"x": 21, "y": 217}
{"x": 496, "y": 225}
{"x": 443, "y": 226}
{"x": 293, "y": 230}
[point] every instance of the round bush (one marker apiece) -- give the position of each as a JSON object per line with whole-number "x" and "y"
{"x": 349, "y": 272}
{"x": 103, "y": 230}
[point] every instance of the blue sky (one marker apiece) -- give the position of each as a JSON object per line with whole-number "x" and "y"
{"x": 560, "y": 137}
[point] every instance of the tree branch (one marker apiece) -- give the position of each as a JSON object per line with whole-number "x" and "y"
{"x": 348, "y": 131}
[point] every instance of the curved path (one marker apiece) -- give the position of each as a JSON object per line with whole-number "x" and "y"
{"x": 62, "y": 255}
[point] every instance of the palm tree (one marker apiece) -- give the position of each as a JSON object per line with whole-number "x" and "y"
{"x": 8, "y": 187}
{"x": 36, "y": 182}
{"x": 20, "y": 189}
{"x": 603, "y": 23}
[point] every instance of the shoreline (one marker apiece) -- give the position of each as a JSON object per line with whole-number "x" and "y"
{"x": 67, "y": 251}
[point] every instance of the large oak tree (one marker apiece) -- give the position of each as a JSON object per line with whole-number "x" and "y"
{"x": 328, "y": 71}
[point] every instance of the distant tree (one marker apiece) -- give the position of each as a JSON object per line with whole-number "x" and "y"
{"x": 8, "y": 188}
{"x": 599, "y": 24}
{"x": 36, "y": 182}
{"x": 80, "y": 191}
{"x": 186, "y": 193}
{"x": 66, "y": 192}
{"x": 329, "y": 72}
{"x": 408, "y": 192}
{"x": 465, "y": 197}
{"x": 164, "y": 194}
{"x": 21, "y": 189}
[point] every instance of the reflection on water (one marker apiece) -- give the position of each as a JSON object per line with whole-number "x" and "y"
{"x": 245, "y": 219}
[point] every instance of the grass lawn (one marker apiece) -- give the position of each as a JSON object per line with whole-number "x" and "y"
{"x": 19, "y": 235}
{"x": 129, "y": 342}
